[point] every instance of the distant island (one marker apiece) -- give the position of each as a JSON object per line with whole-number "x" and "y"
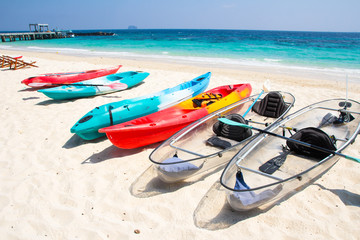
{"x": 132, "y": 27}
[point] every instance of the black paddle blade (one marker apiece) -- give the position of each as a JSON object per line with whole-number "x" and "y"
{"x": 327, "y": 119}
{"x": 217, "y": 142}
{"x": 275, "y": 163}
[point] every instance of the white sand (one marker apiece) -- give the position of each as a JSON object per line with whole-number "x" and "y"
{"x": 56, "y": 186}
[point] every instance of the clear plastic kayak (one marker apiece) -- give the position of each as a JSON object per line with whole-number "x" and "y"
{"x": 271, "y": 167}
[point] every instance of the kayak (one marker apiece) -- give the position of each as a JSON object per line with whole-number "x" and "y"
{"x": 161, "y": 125}
{"x": 101, "y": 85}
{"x": 49, "y": 79}
{"x": 207, "y": 144}
{"x": 118, "y": 112}
{"x": 291, "y": 154}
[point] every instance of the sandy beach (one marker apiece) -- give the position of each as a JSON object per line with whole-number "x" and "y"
{"x": 54, "y": 185}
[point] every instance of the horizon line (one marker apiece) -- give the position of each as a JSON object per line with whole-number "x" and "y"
{"x": 220, "y": 29}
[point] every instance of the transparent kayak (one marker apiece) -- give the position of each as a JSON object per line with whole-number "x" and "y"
{"x": 192, "y": 151}
{"x": 268, "y": 168}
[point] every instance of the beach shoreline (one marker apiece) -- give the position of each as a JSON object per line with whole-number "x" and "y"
{"x": 55, "y": 185}
{"x": 269, "y": 66}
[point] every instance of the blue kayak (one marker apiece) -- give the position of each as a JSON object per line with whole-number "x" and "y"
{"x": 101, "y": 85}
{"x": 118, "y": 112}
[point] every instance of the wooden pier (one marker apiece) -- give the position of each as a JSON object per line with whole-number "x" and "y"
{"x": 37, "y": 31}
{"x": 11, "y": 37}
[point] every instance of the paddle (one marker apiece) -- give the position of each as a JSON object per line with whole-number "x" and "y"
{"x": 230, "y": 122}
{"x": 266, "y": 88}
{"x": 118, "y": 86}
{"x": 327, "y": 119}
{"x": 267, "y": 124}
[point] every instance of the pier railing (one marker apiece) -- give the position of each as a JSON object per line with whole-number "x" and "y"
{"x": 11, "y": 37}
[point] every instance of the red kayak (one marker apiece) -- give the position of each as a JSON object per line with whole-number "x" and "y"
{"x": 159, "y": 126}
{"x": 51, "y": 79}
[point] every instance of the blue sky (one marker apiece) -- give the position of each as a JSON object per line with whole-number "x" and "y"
{"x": 304, "y": 15}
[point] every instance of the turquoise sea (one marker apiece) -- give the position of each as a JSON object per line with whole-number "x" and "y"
{"x": 323, "y": 51}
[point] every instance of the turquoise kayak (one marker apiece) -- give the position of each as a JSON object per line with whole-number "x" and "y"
{"x": 102, "y": 85}
{"x": 118, "y": 112}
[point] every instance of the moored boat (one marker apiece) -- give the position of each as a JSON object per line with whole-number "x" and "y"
{"x": 207, "y": 144}
{"x": 161, "y": 125}
{"x": 291, "y": 154}
{"x": 101, "y": 85}
{"x": 49, "y": 79}
{"x": 117, "y": 112}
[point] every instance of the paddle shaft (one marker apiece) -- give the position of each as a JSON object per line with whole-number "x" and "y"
{"x": 248, "y": 110}
{"x": 267, "y": 124}
{"x": 287, "y": 128}
{"x": 230, "y": 122}
{"x": 85, "y": 85}
{"x": 79, "y": 84}
{"x": 112, "y": 85}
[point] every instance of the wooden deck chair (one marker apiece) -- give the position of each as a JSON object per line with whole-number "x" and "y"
{"x": 7, "y": 61}
{"x": 15, "y": 63}
{"x": 2, "y": 62}
{"x": 22, "y": 64}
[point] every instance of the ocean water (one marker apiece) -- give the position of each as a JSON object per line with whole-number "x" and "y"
{"x": 322, "y": 51}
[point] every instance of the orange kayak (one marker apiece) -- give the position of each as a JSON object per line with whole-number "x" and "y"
{"x": 159, "y": 126}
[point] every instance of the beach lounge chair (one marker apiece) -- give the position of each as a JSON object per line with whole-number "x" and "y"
{"x": 6, "y": 61}
{"x": 15, "y": 62}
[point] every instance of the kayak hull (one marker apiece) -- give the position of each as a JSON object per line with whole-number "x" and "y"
{"x": 48, "y": 80}
{"x": 161, "y": 125}
{"x": 142, "y": 137}
{"x": 102, "y": 85}
{"x": 118, "y": 112}
{"x": 296, "y": 171}
{"x": 194, "y": 156}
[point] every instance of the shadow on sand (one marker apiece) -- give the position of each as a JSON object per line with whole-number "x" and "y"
{"x": 30, "y": 98}
{"x": 29, "y": 89}
{"x": 348, "y": 198}
{"x": 109, "y": 153}
{"x": 148, "y": 184}
{"x": 213, "y": 211}
{"x": 76, "y": 141}
{"x": 52, "y": 101}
